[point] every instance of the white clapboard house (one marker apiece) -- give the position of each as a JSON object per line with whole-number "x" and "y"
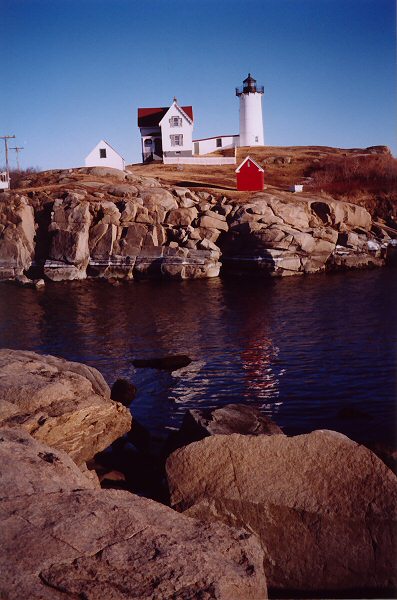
{"x": 103, "y": 155}
{"x": 166, "y": 131}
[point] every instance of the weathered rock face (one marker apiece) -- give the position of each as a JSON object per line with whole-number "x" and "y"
{"x": 109, "y": 224}
{"x": 62, "y": 537}
{"x": 64, "y": 404}
{"x": 17, "y": 233}
{"x": 70, "y": 229}
{"x": 232, "y": 418}
{"x": 323, "y": 506}
{"x": 274, "y": 235}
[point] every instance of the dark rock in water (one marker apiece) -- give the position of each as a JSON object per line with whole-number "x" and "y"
{"x": 169, "y": 363}
{"x": 123, "y": 391}
{"x": 139, "y": 436}
{"x": 232, "y": 418}
{"x": 351, "y": 412}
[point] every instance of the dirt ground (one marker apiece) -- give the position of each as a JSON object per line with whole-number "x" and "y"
{"x": 284, "y": 166}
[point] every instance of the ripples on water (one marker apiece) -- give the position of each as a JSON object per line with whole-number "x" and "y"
{"x": 300, "y": 348}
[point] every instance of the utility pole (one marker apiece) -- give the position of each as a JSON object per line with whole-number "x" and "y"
{"x": 6, "y": 138}
{"x": 17, "y": 151}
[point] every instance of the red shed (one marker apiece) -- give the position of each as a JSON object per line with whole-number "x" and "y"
{"x": 250, "y": 176}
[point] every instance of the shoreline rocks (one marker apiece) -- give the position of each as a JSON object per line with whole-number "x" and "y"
{"x": 97, "y": 223}
{"x": 64, "y": 537}
{"x": 64, "y": 404}
{"x": 313, "y": 514}
{"x": 323, "y": 506}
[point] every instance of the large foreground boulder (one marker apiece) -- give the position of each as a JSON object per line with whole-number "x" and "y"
{"x": 62, "y": 538}
{"x": 64, "y": 404}
{"x": 323, "y": 506}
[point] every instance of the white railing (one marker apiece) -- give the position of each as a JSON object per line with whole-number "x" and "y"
{"x": 199, "y": 160}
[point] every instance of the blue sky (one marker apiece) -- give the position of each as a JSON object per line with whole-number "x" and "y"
{"x": 75, "y": 71}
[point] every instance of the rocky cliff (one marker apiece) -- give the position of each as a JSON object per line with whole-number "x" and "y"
{"x": 98, "y": 222}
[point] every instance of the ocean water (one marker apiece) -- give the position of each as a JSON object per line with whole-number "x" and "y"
{"x": 316, "y": 352}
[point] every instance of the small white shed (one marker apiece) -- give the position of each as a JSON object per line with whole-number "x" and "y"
{"x": 4, "y": 180}
{"x": 103, "y": 155}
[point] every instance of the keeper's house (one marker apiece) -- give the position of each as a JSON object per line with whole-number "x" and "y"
{"x": 166, "y": 132}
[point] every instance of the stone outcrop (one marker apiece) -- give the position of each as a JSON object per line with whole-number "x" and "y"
{"x": 70, "y": 226}
{"x": 62, "y": 537}
{"x": 274, "y": 235}
{"x": 323, "y": 506}
{"x": 17, "y": 233}
{"x": 65, "y": 404}
{"x": 100, "y": 222}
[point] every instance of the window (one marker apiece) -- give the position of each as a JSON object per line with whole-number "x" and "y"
{"x": 219, "y": 142}
{"x": 102, "y": 152}
{"x": 256, "y": 138}
{"x": 148, "y": 142}
{"x": 176, "y": 122}
{"x": 176, "y": 140}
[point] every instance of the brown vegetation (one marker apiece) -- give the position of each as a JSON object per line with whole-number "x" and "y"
{"x": 16, "y": 176}
{"x": 343, "y": 174}
{"x": 367, "y": 177}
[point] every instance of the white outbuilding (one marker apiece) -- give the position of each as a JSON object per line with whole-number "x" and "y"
{"x": 103, "y": 155}
{"x": 4, "y": 181}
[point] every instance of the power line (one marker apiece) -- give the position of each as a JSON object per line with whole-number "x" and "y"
{"x": 17, "y": 151}
{"x": 6, "y": 138}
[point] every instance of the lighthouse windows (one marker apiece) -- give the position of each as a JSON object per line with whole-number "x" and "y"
{"x": 256, "y": 138}
{"x": 176, "y": 140}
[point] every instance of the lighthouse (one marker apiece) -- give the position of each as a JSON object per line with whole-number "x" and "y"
{"x": 251, "y": 122}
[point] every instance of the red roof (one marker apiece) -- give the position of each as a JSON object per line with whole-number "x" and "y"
{"x": 150, "y": 117}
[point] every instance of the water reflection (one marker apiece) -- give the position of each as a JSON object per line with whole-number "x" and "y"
{"x": 299, "y": 348}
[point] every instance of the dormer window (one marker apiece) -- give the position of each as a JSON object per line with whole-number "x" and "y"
{"x": 102, "y": 152}
{"x": 176, "y": 122}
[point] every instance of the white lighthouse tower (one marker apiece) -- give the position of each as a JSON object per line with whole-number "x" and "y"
{"x": 251, "y": 122}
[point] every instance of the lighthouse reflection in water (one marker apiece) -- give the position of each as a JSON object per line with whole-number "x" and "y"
{"x": 300, "y": 349}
